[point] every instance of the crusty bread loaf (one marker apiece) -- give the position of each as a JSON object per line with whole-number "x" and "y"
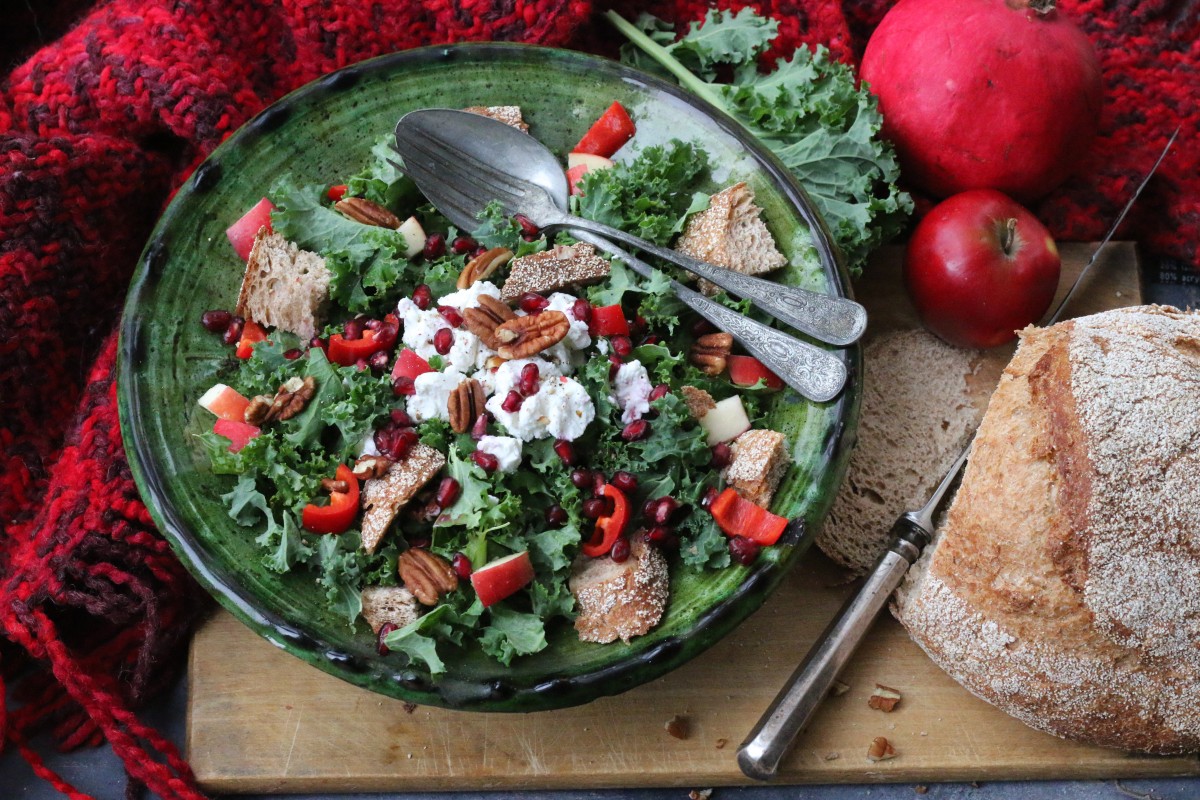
{"x": 1064, "y": 586}
{"x": 916, "y": 418}
{"x": 760, "y": 459}
{"x": 283, "y": 287}
{"x": 730, "y": 233}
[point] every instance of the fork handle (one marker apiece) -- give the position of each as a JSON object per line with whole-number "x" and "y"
{"x": 813, "y": 372}
{"x": 835, "y": 320}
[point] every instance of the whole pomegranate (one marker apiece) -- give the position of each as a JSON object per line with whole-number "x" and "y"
{"x": 984, "y": 94}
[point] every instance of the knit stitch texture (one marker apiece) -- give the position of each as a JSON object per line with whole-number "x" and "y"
{"x": 98, "y": 128}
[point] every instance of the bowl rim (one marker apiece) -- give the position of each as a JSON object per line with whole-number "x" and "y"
{"x": 414, "y": 684}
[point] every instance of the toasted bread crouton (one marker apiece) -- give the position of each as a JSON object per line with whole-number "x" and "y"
{"x": 509, "y": 115}
{"x": 383, "y": 604}
{"x": 383, "y": 497}
{"x": 698, "y": 401}
{"x": 284, "y": 287}
{"x": 760, "y": 459}
{"x": 619, "y": 601}
{"x": 555, "y": 269}
{"x": 730, "y": 233}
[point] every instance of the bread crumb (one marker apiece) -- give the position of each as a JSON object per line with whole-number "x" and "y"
{"x": 837, "y": 689}
{"x": 721, "y": 743}
{"x": 700, "y": 794}
{"x": 920, "y": 789}
{"x": 410, "y": 708}
{"x": 880, "y": 750}
{"x": 833, "y": 756}
{"x": 678, "y": 726}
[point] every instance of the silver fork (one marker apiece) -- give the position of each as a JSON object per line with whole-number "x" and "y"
{"x": 435, "y": 144}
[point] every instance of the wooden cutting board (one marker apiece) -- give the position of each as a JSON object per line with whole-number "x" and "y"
{"x": 260, "y": 720}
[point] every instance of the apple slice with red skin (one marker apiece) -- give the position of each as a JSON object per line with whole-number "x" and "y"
{"x": 241, "y": 233}
{"x": 747, "y": 371}
{"x": 239, "y": 434}
{"x": 502, "y": 578}
{"x": 225, "y": 402}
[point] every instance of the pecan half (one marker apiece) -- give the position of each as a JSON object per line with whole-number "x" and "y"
{"x": 884, "y": 698}
{"x": 426, "y": 575}
{"x": 484, "y": 321}
{"x": 371, "y": 466}
{"x": 880, "y": 750}
{"x": 332, "y": 485}
{"x": 465, "y": 404}
{"x": 289, "y": 401}
{"x": 527, "y": 336}
{"x": 368, "y": 212}
{"x": 483, "y": 265}
{"x": 710, "y": 351}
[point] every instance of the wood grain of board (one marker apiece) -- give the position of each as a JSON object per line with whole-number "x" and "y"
{"x": 260, "y": 720}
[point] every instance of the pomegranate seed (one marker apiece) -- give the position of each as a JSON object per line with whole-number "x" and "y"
{"x": 463, "y": 245}
{"x": 447, "y": 492}
{"x": 580, "y": 478}
{"x": 422, "y": 296}
{"x": 621, "y": 345}
{"x": 462, "y": 565}
{"x": 625, "y": 481}
{"x": 420, "y": 543}
{"x": 384, "y": 630}
{"x": 659, "y": 392}
{"x": 403, "y": 386}
{"x": 512, "y": 402}
{"x": 478, "y": 251}
{"x": 702, "y": 326}
{"x": 435, "y": 246}
{"x": 378, "y": 362}
{"x": 216, "y": 321}
{"x": 638, "y": 326}
{"x": 566, "y": 451}
{"x": 395, "y": 442}
{"x": 527, "y": 226}
{"x": 443, "y": 340}
{"x": 595, "y": 507}
{"x": 352, "y": 330}
{"x": 581, "y": 310}
{"x": 556, "y": 516}
{"x": 293, "y": 354}
{"x": 386, "y": 335}
{"x": 659, "y": 534}
{"x": 709, "y": 496}
{"x": 528, "y": 383}
{"x": 614, "y": 365}
{"x": 743, "y": 550}
{"x": 638, "y": 429}
{"x": 479, "y": 428}
{"x": 485, "y": 461}
{"x": 233, "y": 331}
{"x": 620, "y": 550}
{"x": 318, "y": 343}
{"x": 373, "y": 324}
{"x": 722, "y": 454}
{"x": 532, "y": 303}
{"x": 360, "y": 365}
{"x": 648, "y": 508}
{"x": 400, "y": 418}
{"x": 451, "y": 315}
{"x": 597, "y": 484}
{"x": 651, "y": 339}
{"x": 665, "y": 509}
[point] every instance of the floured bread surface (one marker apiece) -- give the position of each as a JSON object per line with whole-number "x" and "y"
{"x": 1065, "y": 585}
{"x": 916, "y": 418}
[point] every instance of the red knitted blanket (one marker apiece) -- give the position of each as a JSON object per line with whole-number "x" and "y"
{"x": 97, "y": 128}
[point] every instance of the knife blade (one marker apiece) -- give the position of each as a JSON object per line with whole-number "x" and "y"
{"x": 759, "y": 755}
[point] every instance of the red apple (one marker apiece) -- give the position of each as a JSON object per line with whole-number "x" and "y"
{"x": 501, "y": 578}
{"x": 747, "y": 371}
{"x": 241, "y": 233}
{"x": 980, "y": 267}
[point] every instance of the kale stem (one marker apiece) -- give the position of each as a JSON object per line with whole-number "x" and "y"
{"x": 659, "y": 54}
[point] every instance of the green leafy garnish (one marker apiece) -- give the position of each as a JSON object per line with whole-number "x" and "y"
{"x": 808, "y": 111}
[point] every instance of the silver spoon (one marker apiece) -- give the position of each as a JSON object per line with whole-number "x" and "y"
{"x": 813, "y": 372}
{"x": 468, "y": 161}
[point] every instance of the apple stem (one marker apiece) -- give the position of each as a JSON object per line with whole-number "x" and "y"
{"x": 1008, "y": 235}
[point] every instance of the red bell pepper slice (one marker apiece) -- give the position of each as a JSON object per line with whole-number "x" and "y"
{"x": 610, "y": 528}
{"x": 337, "y": 192}
{"x": 252, "y": 333}
{"x": 341, "y": 511}
{"x": 347, "y": 352}
{"x": 410, "y": 365}
{"x": 608, "y": 321}
{"x": 737, "y": 516}
{"x": 607, "y": 134}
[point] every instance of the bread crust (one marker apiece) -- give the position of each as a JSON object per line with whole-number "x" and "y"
{"x": 1065, "y": 585}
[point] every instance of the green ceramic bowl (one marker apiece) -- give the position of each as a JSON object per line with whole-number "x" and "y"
{"x": 322, "y": 133}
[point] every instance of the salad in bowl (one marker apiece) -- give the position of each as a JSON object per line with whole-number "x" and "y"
{"x": 467, "y": 437}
